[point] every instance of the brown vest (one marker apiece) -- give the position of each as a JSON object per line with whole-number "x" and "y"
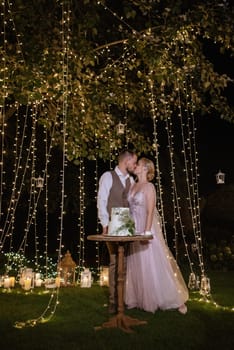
{"x": 118, "y": 193}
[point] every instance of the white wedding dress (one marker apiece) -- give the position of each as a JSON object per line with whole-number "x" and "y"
{"x": 153, "y": 279}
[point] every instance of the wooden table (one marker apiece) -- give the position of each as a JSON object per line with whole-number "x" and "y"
{"x": 120, "y": 320}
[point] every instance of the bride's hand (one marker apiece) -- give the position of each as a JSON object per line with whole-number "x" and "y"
{"x": 143, "y": 234}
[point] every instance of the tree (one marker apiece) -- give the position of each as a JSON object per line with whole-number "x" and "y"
{"x": 99, "y": 63}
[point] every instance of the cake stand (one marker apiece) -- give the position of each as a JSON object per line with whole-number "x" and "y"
{"x": 120, "y": 320}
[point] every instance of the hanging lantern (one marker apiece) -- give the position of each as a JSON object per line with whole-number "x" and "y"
{"x": 86, "y": 278}
{"x": 192, "y": 281}
{"x": 104, "y": 276}
{"x": 66, "y": 270}
{"x": 39, "y": 182}
{"x": 120, "y": 128}
{"x": 205, "y": 285}
{"x": 220, "y": 178}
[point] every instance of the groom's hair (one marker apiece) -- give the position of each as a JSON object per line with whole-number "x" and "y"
{"x": 126, "y": 153}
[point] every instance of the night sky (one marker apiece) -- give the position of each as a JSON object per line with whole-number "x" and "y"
{"x": 215, "y": 145}
{"x": 215, "y": 136}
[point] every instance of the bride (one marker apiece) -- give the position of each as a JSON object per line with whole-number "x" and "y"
{"x": 153, "y": 279}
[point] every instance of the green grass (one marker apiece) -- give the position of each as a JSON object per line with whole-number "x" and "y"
{"x": 80, "y": 310}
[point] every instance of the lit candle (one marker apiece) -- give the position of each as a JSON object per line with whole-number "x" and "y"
{"x": 27, "y": 284}
{"x": 86, "y": 278}
{"x": 37, "y": 276}
{"x": 57, "y": 282}
{"x": 104, "y": 277}
{"x": 38, "y": 282}
{"x": 7, "y": 282}
{"x": 12, "y": 281}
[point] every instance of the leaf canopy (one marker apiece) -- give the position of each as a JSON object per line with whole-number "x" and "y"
{"x": 95, "y": 64}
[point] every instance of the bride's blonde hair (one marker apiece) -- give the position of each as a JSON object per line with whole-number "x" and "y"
{"x": 150, "y": 168}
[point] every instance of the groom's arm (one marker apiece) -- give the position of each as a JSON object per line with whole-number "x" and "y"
{"x": 105, "y": 184}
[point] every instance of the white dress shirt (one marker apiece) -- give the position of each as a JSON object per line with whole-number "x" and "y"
{"x": 105, "y": 184}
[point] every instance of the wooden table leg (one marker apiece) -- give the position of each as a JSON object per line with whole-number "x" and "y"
{"x": 121, "y": 320}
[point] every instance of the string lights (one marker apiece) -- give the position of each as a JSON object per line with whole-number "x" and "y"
{"x": 158, "y": 184}
{"x": 35, "y": 191}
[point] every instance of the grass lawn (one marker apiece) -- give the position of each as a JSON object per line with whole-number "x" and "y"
{"x": 80, "y": 310}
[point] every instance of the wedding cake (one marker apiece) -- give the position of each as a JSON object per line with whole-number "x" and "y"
{"x": 121, "y": 223}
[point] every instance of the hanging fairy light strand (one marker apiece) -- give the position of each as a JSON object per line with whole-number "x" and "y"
{"x": 193, "y": 149}
{"x": 190, "y": 140}
{"x": 175, "y": 196}
{"x": 18, "y": 181}
{"x": 47, "y": 159}
{"x": 3, "y": 72}
{"x": 19, "y": 43}
{"x": 32, "y": 192}
{"x": 15, "y": 197}
{"x": 54, "y": 298}
{"x": 15, "y": 194}
{"x": 115, "y": 15}
{"x": 81, "y": 245}
{"x": 97, "y": 221}
{"x": 4, "y": 90}
{"x": 65, "y": 93}
{"x": 31, "y": 201}
{"x": 81, "y": 177}
{"x": 188, "y": 166}
{"x": 153, "y": 109}
{"x": 14, "y": 170}
{"x": 125, "y": 100}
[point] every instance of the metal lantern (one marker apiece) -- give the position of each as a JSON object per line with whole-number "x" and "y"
{"x": 66, "y": 270}
{"x": 120, "y": 128}
{"x": 192, "y": 281}
{"x": 104, "y": 276}
{"x": 39, "y": 182}
{"x": 205, "y": 285}
{"x": 86, "y": 278}
{"x": 220, "y": 178}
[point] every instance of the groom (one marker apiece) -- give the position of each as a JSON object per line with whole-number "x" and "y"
{"x": 113, "y": 189}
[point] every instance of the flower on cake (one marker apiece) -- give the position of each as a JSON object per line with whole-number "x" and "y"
{"x": 128, "y": 224}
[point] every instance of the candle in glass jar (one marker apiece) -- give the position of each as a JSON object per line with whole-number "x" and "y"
{"x": 7, "y": 282}
{"x": 12, "y": 281}
{"x": 27, "y": 284}
{"x": 38, "y": 282}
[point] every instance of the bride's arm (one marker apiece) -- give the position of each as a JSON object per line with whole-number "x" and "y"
{"x": 150, "y": 205}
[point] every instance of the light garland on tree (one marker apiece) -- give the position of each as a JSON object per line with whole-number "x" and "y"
{"x": 188, "y": 169}
{"x": 54, "y": 298}
{"x": 158, "y": 184}
{"x": 81, "y": 245}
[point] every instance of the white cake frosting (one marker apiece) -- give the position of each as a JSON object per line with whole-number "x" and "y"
{"x": 121, "y": 223}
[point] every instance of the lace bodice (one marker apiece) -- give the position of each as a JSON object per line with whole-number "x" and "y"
{"x": 138, "y": 205}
